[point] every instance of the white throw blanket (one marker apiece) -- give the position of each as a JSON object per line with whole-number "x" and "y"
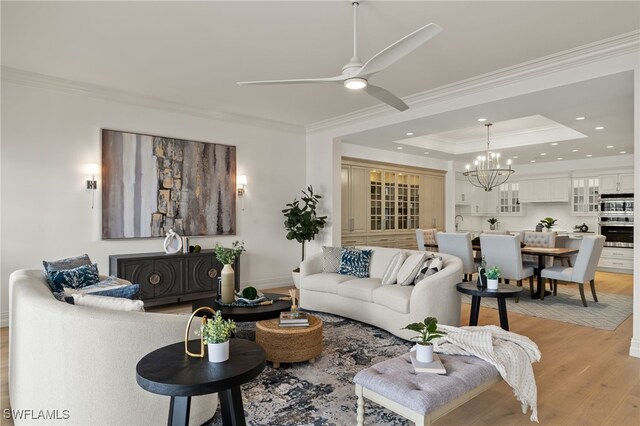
{"x": 512, "y": 354}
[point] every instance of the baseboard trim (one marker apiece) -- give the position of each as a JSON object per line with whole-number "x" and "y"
{"x": 4, "y": 319}
{"x": 634, "y": 350}
{"x": 284, "y": 281}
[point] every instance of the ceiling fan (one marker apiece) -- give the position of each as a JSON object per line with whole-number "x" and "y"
{"x": 355, "y": 75}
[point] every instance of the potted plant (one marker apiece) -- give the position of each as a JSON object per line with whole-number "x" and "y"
{"x": 427, "y": 331}
{"x": 492, "y": 223}
{"x": 492, "y": 274}
{"x": 548, "y": 223}
{"x": 302, "y": 222}
{"x": 215, "y": 334}
{"x": 227, "y": 256}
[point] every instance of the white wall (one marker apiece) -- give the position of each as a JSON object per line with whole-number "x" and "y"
{"x": 48, "y": 138}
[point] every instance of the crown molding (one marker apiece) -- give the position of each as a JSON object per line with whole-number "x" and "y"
{"x": 581, "y": 55}
{"x": 71, "y": 87}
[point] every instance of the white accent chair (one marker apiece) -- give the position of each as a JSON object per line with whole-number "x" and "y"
{"x": 504, "y": 252}
{"x": 539, "y": 239}
{"x": 458, "y": 244}
{"x": 584, "y": 268}
{"x": 426, "y": 239}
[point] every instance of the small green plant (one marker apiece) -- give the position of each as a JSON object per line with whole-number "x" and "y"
{"x": 225, "y": 255}
{"x": 216, "y": 330}
{"x": 493, "y": 273}
{"x": 427, "y": 330}
{"x": 548, "y": 222}
{"x": 492, "y": 220}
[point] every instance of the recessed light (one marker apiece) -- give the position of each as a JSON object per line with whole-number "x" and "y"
{"x": 600, "y": 128}
{"x": 555, "y": 143}
{"x": 609, "y": 146}
{"x": 559, "y": 158}
{"x": 623, "y": 152}
{"x": 515, "y": 156}
{"x": 533, "y": 161}
{"x": 574, "y": 150}
{"x": 426, "y": 153}
{"x": 589, "y": 155}
{"x": 543, "y": 153}
{"x": 482, "y": 119}
{"x": 399, "y": 147}
{"x": 579, "y": 118}
{"x": 409, "y": 133}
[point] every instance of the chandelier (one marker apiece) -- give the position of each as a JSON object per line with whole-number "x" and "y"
{"x": 487, "y": 173}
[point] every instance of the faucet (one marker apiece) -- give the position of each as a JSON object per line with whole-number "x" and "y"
{"x": 456, "y": 220}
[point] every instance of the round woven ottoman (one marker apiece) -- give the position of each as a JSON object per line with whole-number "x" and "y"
{"x": 290, "y": 344}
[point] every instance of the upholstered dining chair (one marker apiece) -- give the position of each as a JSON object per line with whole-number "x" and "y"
{"x": 584, "y": 268}
{"x": 539, "y": 239}
{"x": 427, "y": 237}
{"x": 504, "y": 252}
{"x": 458, "y": 244}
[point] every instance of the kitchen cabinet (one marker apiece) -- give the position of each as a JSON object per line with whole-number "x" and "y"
{"x": 550, "y": 190}
{"x": 617, "y": 258}
{"x": 509, "y": 199}
{"x": 355, "y": 182}
{"x": 463, "y": 192}
{"x": 585, "y": 194}
{"x": 618, "y": 183}
{"x": 433, "y": 206}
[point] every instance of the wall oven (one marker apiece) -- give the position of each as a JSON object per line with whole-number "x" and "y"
{"x": 616, "y": 219}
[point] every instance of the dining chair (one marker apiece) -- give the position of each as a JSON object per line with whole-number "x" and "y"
{"x": 426, "y": 238}
{"x": 584, "y": 268}
{"x": 458, "y": 244}
{"x": 504, "y": 252}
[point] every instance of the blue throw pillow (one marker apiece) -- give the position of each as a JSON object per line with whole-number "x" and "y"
{"x": 127, "y": 292}
{"x": 79, "y": 277}
{"x": 355, "y": 262}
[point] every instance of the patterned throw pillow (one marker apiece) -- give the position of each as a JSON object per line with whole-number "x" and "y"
{"x": 409, "y": 269}
{"x": 390, "y": 275}
{"x": 355, "y": 262}
{"x": 79, "y": 277}
{"x": 331, "y": 259}
{"x": 68, "y": 263}
{"x": 124, "y": 291}
{"x": 428, "y": 268}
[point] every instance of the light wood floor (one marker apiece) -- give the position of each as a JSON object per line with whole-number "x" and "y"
{"x": 585, "y": 377}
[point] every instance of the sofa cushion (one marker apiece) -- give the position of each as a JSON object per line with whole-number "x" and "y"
{"x": 126, "y": 291}
{"x": 113, "y": 303}
{"x": 325, "y": 283}
{"x": 394, "y": 297}
{"x": 428, "y": 268}
{"x": 79, "y": 277}
{"x": 410, "y": 268}
{"x": 390, "y": 276}
{"x": 331, "y": 258}
{"x": 360, "y": 288}
{"x": 355, "y": 262}
{"x": 380, "y": 259}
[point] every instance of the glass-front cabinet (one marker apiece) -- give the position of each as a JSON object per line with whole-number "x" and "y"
{"x": 376, "y": 199}
{"x": 585, "y": 196}
{"x": 509, "y": 202}
{"x": 390, "y": 199}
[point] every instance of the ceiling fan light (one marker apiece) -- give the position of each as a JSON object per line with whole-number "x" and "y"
{"x": 355, "y": 83}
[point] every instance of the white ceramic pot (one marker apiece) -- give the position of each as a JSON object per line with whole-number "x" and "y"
{"x": 228, "y": 284}
{"x": 218, "y": 352}
{"x": 424, "y": 353}
{"x": 492, "y": 284}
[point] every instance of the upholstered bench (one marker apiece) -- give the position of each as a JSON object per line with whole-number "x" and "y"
{"x": 424, "y": 397}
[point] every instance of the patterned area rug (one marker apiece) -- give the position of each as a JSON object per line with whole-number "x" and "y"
{"x": 607, "y": 314}
{"x": 321, "y": 394}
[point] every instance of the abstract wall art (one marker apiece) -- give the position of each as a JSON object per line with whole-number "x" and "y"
{"x": 151, "y": 184}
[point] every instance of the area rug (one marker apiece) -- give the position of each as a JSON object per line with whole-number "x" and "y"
{"x": 607, "y": 314}
{"x": 321, "y": 394}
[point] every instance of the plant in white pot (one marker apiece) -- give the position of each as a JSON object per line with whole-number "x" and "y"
{"x": 227, "y": 256}
{"x": 216, "y": 333}
{"x": 492, "y": 223}
{"x": 302, "y": 222}
{"x": 492, "y": 274}
{"x": 427, "y": 331}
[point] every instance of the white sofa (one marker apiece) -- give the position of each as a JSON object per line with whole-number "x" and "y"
{"x": 390, "y": 307}
{"x": 83, "y": 359}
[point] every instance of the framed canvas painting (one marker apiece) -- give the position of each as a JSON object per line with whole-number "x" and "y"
{"x": 151, "y": 184}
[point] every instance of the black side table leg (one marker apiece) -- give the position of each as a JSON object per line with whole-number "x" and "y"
{"x": 502, "y": 311}
{"x": 475, "y": 310}
{"x": 231, "y": 407}
{"x": 179, "y": 411}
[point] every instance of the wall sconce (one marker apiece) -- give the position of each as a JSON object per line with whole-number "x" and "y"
{"x": 92, "y": 183}
{"x": 240, "y": 184}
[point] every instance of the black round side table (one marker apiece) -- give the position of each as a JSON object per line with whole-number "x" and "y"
{"x": 169, "y": 371}
{"x": 477, "y": 293}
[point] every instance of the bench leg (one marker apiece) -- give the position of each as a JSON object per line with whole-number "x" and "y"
{"x": 360, "y": 409}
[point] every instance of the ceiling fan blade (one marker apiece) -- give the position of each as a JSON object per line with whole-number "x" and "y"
{"x": 295, "y": 81}
{"x": 386, "y": 97}
{"x": 399, "y": 49}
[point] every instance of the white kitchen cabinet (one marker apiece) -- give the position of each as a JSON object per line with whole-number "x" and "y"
{"x": 585, "y": 194}
{"x": 617, "y": 258}
{"x": 463, "y": 192}
{"x": 552, "y": 190}
{"x": 509, "y": 199}
{"x": 620, "y": 183}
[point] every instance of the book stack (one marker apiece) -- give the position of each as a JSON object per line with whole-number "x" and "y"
{"x": 288, "y": 319}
